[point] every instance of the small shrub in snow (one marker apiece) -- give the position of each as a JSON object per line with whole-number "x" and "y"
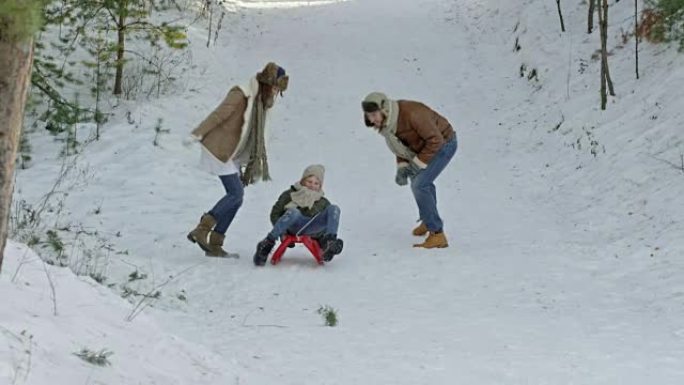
{"x": 182, "y": 295}
{"x": 531, "y": 74}
{"x": 54, "y": 242}
{"x": 159, "y": 130}
{"x": 33, "y": 240}
{"x": 100, "y": 358}
{"x": 329, "y": 315}
{"x": 127, "y": 291}
{"x": 663, "y": 21}
{"x": 98, "y": 277}
{"x": 134, "y": 276}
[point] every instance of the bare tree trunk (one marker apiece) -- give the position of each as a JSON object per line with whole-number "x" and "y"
{"x": 211, "y": 17}
{"x": 560, "y": 14}
{"x": 604, "y": 49}
{"x": 611, "y": 89}
{"x": 590, "y": 16}
{"x": 604, "y": 97}
{"x": 98, "y": 113}
{"x": 605, "y": 72}
{"x": 16, "y": 59}
{"x": 636, "y": 40}
{"x": 218, "y": 26}
{"x": 121, "y": 35}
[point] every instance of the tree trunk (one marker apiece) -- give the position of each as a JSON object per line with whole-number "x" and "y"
{"x": 590, "y": 16}
{"x": 98, "y": 87}
{"x": 605, "y": 72}
{"x": 636, "y": 39}
{"x": 560, "y": 15}
{"x": 121, "y": 34}
{"x": 211, "y": 17}
{"x": 604, "y": 97}
{"x": 611, "y": 89}
{"x": 16, "y": 59}
{"x": 604, "y": 51}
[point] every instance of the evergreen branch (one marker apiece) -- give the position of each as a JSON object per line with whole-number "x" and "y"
{"x": 141, "y": 22}
{"x": 141, "y": 56}
{"x": 39, "y": 81}
{"x": 112, "y": 15}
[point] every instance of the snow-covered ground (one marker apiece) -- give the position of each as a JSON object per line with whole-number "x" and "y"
{"x": 564, "y": 267}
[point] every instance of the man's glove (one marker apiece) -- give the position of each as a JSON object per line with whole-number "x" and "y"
{"x": 406, "y": 171}
{"x": 413, "y": 170}
{"x": 402, "y": 175}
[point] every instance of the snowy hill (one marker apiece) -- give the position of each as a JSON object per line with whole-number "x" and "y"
{"x": 50, "y": 315}
{"x": 565, "y": 260}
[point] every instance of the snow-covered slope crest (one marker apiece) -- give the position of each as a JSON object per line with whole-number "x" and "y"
{"x": 48, "y": 315}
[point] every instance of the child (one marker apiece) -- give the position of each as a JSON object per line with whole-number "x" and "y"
{"x": 302, "y": 209}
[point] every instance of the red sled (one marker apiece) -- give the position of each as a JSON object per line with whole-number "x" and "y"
{"x": 290, "y": 239}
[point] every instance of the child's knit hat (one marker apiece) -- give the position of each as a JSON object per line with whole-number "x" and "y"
{"x": 316, "y": 170}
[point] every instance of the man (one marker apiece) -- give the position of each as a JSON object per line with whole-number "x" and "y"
{"x": 424, "y": 142}
{"x": 233, "y": 138}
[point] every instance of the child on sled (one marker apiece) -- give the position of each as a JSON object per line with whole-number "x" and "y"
{"x": 303, "y": 210}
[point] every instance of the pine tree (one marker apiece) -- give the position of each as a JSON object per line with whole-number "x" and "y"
{"x": 669, "y": 21}
{"x": 19, "y": 20}
{"x": 131, "y": 19}
{"x": 100, "y": 29}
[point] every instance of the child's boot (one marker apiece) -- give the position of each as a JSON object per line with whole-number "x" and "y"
{"x": 331, "y": 246}
{"x": 263, "y": 249}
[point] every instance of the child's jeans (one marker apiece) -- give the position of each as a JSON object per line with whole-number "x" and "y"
{"x": 293, "y": 221}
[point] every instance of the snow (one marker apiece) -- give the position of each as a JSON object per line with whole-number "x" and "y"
{"x": 564, "y": 267}
{"x": 40, "y": 335}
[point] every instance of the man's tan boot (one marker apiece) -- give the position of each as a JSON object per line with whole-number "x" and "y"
{"x": 421, "y": 230}
{"x": 200, "y": 234}
{"x": 434, "y": 241}
{"x": 215, "y": 243}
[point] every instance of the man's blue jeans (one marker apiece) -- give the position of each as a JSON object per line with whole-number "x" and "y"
{"x": 225, "y": 209}
{"x": 423, "y": 186}
{"x": 293, "y": 221}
